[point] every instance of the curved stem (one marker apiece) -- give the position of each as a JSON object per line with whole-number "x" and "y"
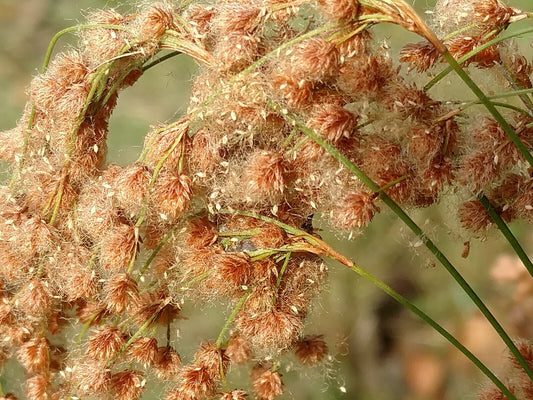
{"x": 502, "y": 226}
{"x": 437, "y": 327}
{"x": 417, "y": 231}
{"x": 230, "y": 319}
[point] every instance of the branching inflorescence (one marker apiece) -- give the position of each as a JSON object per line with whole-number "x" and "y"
{"x": 217, "y": 206}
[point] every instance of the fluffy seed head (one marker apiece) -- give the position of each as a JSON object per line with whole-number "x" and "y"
{"x": 311, "y": 350}
{"x": 265, "y": 174}
{"x": 34, "y": 355}
{"x": 172, "y": 194}
{"x": 238, "y": 350}
{"x": 128, "y": 384}
{"x": 122, "y": 293}
{"x": 105, "y": 343}
{"x": 234, "y": 395}
{"x": 144, "y": 350}
{"x": 315, "y": 59}
{"x": 332, "y": 122}
{"x": 168, "y": 363}
{"x": 268, "y": 385}
{"x": 118, "y": 247}
{"x": 339, "y": 10}
{"x": 355, "y": 211}
{"x": 37, "y": 386}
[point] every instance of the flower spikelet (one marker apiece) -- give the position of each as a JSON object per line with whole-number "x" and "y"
{"x": 268, "y": 385}
{"x": 118, "y": 248}
{"x": 168, "y": 363}
{"x": 332, "y": 122}
{"x": 144, "y": 350}
{"x": 172, "y": 194}
{"x": 105, "y": 343}
{"x": 122, "y": 292}
{"x": 315, "y": 59}
{"x": 311, "y": 350}
{"x": 356, "y": 210}
{"x": 265, "y": 174}
{"x": 34, "y": 355}
{"x": 339, "y": 10}
{"x": 128, "y": 384}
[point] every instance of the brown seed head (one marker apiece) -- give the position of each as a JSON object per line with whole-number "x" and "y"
{"x": 238, "y": 350}
{"x": 273, "y": 330}
{"x": 144, "y": 350}
{"x": 91, "y": 312}
{"x": 166, "y": 142}
{"x": 268, "y": 385}
{"x": 118, "y": 247}
{"x": 270, "y": 237}
{"x": 157, "y": 307}
{"x": 35, "y": 298}
{"x": 212, "y": 359}
{"x": 34, "y": 355}
{"x": 311, "y": 350}
{"x": 105, "y": 343}
{"x": 265, "y": 174}
{"x": 332, "y": 121}
{"x": 234, "y": 395}
{"x": 92, "y": 377}
{"x": 199, "y": 16}
{"x": 196, "y": 383}
{"x": 122, "y": 293}
{"x": 168, "y": 363}
{"x": 296, "y": 91}
{"x": 201, "y": 233}
{"x": 236, "y": 51}
{"x": 241, "y": 17}
{"x": 37, "y": 386}
{"x": 128, "y": 384}
{"x": 356, "y": 210}
{"x": 131, "y": 186}
{"x": 421, "y": 56}
{"x": 474, "y": 217}
{"x": 152, "y": 22}
{"x": 172, "y": 194}
{"x": 366, "y": 75}
{"x": 315, "y": 59}
{"x": 339, "y": 10}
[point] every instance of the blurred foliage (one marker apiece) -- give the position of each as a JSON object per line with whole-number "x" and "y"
{"x": 380, "y": 352}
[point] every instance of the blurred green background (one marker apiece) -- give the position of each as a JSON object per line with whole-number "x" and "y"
{"x": 379, "y": 351}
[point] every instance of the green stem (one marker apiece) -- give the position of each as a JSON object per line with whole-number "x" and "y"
{"x": 502, "y": 226}
{"x": 417, "y": 231}
{"x": 155, "y": 251}
{"x": 230, "y": 319}
{"x": 472, "y": 53}
{"x": 160, "y": 60}
{"x": 282, "y": 271}
{"x": 431, "y": 322}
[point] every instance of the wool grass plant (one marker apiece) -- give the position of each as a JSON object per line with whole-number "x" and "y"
{"x": 296, "y": 112}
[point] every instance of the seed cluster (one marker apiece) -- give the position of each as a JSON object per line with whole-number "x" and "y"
{"x": 217, "y": 207}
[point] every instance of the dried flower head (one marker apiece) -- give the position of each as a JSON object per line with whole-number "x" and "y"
{"x": 122, "y": 292}
{"x": 311, "y": 349}
{"x": 268, "y": 385}
{"x": 355, "y": 211}
{"x": 34, "y": 355}
{"x": 128, "y": 384}
{"x": 234, "y": 395}
{"x": 265, "y": 174}
{"x": 105, "y": 343}
{"x": 168, "y": 363}
{"x": 339, "y": 10}
{"x": 332, "y": 121}
{"x": 144, "y": 350}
